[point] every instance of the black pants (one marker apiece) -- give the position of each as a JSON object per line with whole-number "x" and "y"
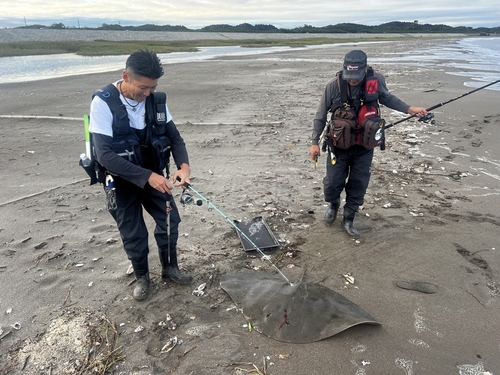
{"x": 130, "y": 200}
{"x": 351, "y": 172}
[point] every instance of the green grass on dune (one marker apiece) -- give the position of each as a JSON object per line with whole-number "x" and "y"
{"x": 104, "y": 47}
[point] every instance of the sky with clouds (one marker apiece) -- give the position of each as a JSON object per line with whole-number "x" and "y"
{"x": 286, "y": 14}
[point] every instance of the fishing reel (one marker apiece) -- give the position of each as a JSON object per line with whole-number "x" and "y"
{"x": 188, "y": 199}
{"x": 428, "y": 119}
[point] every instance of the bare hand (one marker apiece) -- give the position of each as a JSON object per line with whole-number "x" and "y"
{"x": 160, "y": 183}
{"x": 181, "y": 176}
{"x": 417, "y": 111}
{"x": 315, "y": 152}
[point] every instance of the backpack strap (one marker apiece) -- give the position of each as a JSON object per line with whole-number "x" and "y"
{"x": 369, "y": 89}
{"x": 344, "y": 98}
{"x": 156, "y": 109}
{"x": 160, "y": 100}
{"x": 371, "y": 86}
{"x": 111, "y": 95}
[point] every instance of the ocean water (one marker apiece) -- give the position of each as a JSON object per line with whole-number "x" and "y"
{"x": 480, "y": 62}
{"x": 33, "y": 68}
{"x": 475, "y": 59}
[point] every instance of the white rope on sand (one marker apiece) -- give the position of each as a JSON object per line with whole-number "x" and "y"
{"x": 42, "y": 192}
{"x": 236, "y": 123}
{"x": 26, "y": 117}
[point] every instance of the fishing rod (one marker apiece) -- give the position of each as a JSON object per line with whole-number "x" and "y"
{"x": 199, "y": 203}
{"x": 442, "y": 104}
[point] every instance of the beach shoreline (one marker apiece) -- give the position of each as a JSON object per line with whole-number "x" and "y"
{"x": 430, "y": 214}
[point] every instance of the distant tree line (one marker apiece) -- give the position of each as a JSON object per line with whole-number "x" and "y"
{"x": 351, "y": 28}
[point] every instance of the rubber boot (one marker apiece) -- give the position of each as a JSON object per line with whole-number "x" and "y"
{"x": 347, "y": 222}
{"x": 170, "y": 269}
{"x": 141, "y": 271}
{"x": 331, "y": 213}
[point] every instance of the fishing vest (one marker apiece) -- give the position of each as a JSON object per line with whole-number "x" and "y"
{"x": 148, "y": 147}
{"x": 356, "y": 120}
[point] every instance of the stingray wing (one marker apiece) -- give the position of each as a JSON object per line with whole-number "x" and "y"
{"x": 300, "y": 313}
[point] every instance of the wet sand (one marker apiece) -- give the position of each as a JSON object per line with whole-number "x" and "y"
{"x": 430, "y": 214}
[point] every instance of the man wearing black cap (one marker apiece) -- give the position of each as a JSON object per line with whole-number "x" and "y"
{"x": 349, "y": 160}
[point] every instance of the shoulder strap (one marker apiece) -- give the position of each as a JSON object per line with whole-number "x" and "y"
{"x": 111, "y": 96}
{"x": 156, "y": 109}
{"x": 160, "y": 100}
{"x": 108, "y": 93}
{"x": 371, "y": 86}
{"x": 344, "y": 99}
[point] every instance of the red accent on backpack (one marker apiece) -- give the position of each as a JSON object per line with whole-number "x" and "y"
{"x": 371, "y": 86}
{"x": 367, "y": 111}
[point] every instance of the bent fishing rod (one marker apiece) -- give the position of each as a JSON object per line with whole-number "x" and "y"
{"x": 442, "y": 104}
{"x": 264, "y": 256}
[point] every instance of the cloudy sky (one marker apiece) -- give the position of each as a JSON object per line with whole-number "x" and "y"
{"x": 287, "y": 14}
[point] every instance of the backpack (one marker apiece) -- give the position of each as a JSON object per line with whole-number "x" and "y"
{"x": 357, "y": 122}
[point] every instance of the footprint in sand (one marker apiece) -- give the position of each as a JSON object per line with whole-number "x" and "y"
{"x": 458, "y": 149}
{"x": 465, "y": 135}
{"x": 476, "y": 143}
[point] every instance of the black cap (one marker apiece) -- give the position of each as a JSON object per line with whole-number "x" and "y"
{"x": 354, "y": 65}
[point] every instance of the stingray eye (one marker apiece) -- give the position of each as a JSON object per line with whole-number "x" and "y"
{"x": 268, "y": 315}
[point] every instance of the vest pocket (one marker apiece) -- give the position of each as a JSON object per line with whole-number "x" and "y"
{"x": 343, "y": 128}
{"x": 161, "y": 154}
{"x": 159, "y": 129}
{"x": 129, "y": 149}
{"x": 373, "y": 132}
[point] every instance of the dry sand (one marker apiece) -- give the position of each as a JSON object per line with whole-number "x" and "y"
{"x": 431, "y": 214}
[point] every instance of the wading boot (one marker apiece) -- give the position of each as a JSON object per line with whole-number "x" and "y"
{"x": 141, "y": 289}
{"x": 141, "y": 271}
{"x": 347, "y": 222}
{"x": 170, "y": 270}
{"x": 331, "y": 213}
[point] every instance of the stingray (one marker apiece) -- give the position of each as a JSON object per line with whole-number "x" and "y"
{"x": 297, "y": 313}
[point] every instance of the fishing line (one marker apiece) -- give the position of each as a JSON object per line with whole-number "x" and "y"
{"x": 264, "y": 256}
